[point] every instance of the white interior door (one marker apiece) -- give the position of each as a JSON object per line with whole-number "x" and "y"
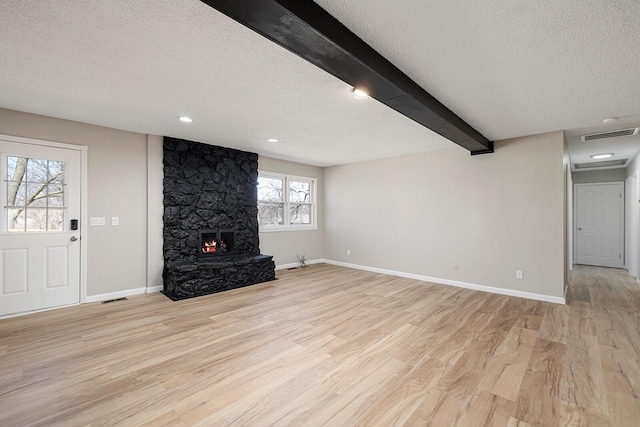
{"x": 39, "y": 244}
{"x": 599, "y": 221}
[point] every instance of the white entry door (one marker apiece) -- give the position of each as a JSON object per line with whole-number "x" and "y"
{"x": 599, "y": 220}
{"x": 39, "y": 226}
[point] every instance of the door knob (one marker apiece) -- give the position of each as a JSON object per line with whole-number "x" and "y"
{"x": 74, "y": 238}
{"x": 579, "y": 228}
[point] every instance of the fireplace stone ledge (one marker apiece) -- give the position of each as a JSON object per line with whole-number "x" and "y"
{"x": 184, "y": 280}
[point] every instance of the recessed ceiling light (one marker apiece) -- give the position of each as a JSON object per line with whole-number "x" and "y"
{"x": 359, "y": 93}
{"x": 273, "y": 140}
{"x": 609, "y": 120}
{"x": 185, "y": 119}
{"x": 602, "y": 156}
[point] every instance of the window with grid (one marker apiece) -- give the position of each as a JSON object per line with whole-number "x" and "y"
{"x": 34, "y": 195}
{"x": 286, "y": 202}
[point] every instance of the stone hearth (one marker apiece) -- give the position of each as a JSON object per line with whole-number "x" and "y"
{"x": 186, "y": 280}
{"x": 210, "y": 188}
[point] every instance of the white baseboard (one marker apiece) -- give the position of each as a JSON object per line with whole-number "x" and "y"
{"x": 97, "y": 298}
{"x": 122, "y": 294}
{"x": 115, "y": 295}
{"x": 297, "y": 264}
{"x": 483, "y": 288}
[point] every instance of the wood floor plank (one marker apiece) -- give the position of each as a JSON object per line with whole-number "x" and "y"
{"x": 442, "y": 409}
{"x": 555, "y": 323}
{"x": 397, "y": 406}
{"x": 531, "y": 315}
{"x": 581, "y": 319}
{"x": 576, "y": 416}
{"x": 622, "y": 384}
{"x": 514, "y": 422}
{"x": 488, "y": 409}
{"x": 333, "y": 346}
{"x": 466, "y": 374}
{"x": 539, "y": 398}
{"x": 582, "y": 382}
{"x": 504, "y": 374}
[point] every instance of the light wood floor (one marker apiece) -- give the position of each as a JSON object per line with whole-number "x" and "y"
{"x": 331, "y": 346}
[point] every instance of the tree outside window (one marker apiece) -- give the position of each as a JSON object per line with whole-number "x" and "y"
{"x": 35, "y": 195}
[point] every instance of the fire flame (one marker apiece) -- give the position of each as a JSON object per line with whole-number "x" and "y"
{"x": 209, "y": 246}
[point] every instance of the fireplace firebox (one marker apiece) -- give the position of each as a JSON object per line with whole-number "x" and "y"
{"x": 216, "y": 242}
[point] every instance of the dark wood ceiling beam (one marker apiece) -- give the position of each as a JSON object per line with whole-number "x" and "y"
{"x": 307, "y": 30}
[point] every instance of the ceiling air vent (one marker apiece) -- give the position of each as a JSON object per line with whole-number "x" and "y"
{"x": 610, "y": 134}
{"x": 604, "y": 164}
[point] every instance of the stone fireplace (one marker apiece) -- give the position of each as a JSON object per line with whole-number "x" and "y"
{"x": 210, "y": 234}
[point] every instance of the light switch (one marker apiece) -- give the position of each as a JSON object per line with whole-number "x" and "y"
{"x": 96, "y": 220}
{"x": 115, "y": 220}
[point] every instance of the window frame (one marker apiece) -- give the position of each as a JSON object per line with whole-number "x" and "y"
{"x": 4, "y": 216}
{"x": 286, "y": 178}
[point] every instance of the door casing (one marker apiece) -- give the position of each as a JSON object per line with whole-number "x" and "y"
{"x": 83, "y": 205}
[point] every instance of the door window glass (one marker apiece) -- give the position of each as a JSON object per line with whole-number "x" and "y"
{"x": 35, "y": 195}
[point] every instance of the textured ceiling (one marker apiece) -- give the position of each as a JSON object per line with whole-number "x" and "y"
{"x": 514, "y": 68}
{"x": 509, "y": 68}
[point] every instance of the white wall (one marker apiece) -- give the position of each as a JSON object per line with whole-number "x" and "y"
{"x": 422, "y": 214}
{"x": 285, "y": 246}
{"x": 117, "y": 186}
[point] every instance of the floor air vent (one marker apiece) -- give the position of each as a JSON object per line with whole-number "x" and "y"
{"x": 604, "y": 164}
{"x": 114, "y": 300}
{"x": 610, "y": 134}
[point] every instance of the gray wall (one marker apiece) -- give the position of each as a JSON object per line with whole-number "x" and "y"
{"x": 490, "y": 215}
{"x": 125, "y": 180}
{"x": 155, "y": 210}
{"x": 606, "y": 175}
{"x": 420, "y": 214}
{"x": 285, "y": 246}
{"x": 117, "y": 186}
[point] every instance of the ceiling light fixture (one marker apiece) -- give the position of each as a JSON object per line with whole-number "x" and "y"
{"x": 609, "y": 120}
{"x": 602, "y": 156}
{"x": 185, "y": 119}
{"x": 273, "y": 140}
{"x": 359, "y": 93}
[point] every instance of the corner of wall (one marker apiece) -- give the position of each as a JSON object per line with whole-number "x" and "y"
{"x": 155, "y": 210}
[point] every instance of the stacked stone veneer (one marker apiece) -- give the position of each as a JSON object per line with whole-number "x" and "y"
{"x": 209, "y": 188}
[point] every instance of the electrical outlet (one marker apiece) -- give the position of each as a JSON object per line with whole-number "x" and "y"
{"x": 518, "y": 274}
{"x": 348, "y": 251}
